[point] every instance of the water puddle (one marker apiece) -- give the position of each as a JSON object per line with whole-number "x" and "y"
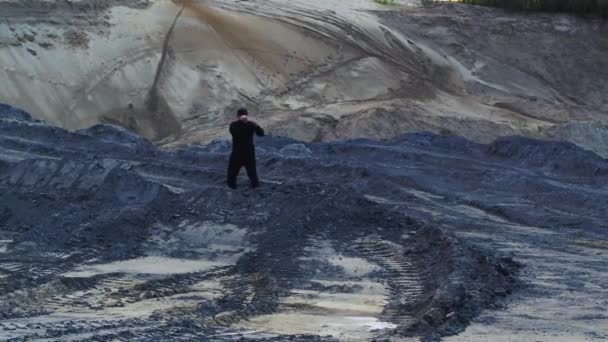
{"x": 344, "y": 328}
{"x": 147, "y": 265}
{"x": 4, "y": 245}
{"x": 343, "y": 302}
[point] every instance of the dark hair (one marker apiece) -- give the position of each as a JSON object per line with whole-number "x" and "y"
{"x": 242, "y": 111}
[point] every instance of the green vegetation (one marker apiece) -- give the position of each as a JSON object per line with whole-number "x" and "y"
{"x": 386, "y": 2}
{"x": 598, "y": 7}
{"x": 567, "y": 6}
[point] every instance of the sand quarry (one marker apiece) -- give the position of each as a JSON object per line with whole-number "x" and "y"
{"x": 432, "y": 173}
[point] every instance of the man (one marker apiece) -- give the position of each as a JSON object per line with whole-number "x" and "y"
{"x": 243, "y": 149}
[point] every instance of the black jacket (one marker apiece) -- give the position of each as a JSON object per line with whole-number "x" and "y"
{"x": 242, "y": 136}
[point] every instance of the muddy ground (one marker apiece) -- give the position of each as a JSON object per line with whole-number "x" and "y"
{"x": 105, "y": 237}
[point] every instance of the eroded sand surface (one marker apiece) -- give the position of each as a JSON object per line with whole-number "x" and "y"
{"x": 311, "y": 70}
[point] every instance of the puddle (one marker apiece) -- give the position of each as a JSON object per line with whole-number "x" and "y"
{"x": 343, "y": 328}
{"x": 347, "y": 304}
{"x": 351, "y": 266}
{"x": 148, "y": 265}
{"x": 3, "y": 245}
{"x": 347, "y": 307}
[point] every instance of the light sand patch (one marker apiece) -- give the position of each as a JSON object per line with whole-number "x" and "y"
{"x": 352, "y": 267}
{"x": 347, "y": 304}
{"x": 343, "y": 328}
{"x": 599, "y": 244}
{"x": 148, "y": 265}
{"x": 203, "y": 237}
{"x": 349, "y": 309}
{"x": 148, "y": 306}
{"x": 365, "y": 286}
{"x": 424, "y": 195}
{"x": 383, "y": 200}
{"x": 213, "y": 235}
{"x": 3, "y": 245}
{"x": 209, "y": 289}
{"x": 477, "y": 213}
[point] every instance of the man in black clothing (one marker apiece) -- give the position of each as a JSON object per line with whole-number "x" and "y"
{"x": 243, "y": 149}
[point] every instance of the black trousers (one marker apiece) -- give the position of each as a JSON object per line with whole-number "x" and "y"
{"x": 234, "y": 167}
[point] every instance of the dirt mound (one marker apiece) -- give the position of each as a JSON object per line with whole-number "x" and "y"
{"x": 117, "y": 135}
{"x": 410, "y": 237}
{"x": 9, "y": 112}
{"x": 129, "y": 226}
{"x": 558, "y": 157}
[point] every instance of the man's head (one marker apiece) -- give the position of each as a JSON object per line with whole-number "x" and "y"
{"x": 242, "y": 114}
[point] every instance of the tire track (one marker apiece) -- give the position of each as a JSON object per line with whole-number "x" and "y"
{"x": 248, "y": 297}
{"x": 175, "y": 284}
{"x": 404, "y": 279}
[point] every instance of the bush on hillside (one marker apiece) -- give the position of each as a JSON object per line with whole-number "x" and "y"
{"x": 599, "y": 7}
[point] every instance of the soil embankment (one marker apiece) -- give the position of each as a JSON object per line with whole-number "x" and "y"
{"x": 139, "y": 243}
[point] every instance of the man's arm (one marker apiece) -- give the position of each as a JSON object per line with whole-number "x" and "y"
{"x": 232, "y": 129}
{"x": 258, "y": 130}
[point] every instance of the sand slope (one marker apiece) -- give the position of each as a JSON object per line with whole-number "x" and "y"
{"x": 317, "y": 71}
